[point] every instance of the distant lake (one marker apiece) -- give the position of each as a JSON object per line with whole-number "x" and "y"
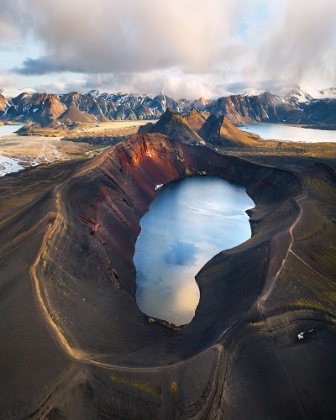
{"x": 6, "y": 130}
{"x": 188, "y": 223}
{"x": 285, "y": 132}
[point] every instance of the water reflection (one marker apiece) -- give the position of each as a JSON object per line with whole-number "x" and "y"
{"x": 181, "y": 253}
{"x": 189, "y": 222}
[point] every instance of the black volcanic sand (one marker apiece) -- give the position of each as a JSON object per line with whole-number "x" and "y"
{"x": 74, "y": 345}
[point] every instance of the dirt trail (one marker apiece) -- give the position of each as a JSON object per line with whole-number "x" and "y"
{"x": 272, "y": 285}
{"x": 44, "y": 306}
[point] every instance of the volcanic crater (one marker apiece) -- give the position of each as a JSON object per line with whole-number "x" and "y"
{"x": 86, "y": 260}
{"x": 109, "y": 359}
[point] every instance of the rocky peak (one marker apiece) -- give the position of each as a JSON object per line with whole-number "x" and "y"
{"x": 94, "y": 93}
{"x": 297, "y": 95}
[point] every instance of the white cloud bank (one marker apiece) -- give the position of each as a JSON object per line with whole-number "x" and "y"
{"x": 182, "y": 47}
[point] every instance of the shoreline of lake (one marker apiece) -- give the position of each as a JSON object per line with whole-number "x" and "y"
{"x": 290, "y": 133}
{"x": 188, "y": 223}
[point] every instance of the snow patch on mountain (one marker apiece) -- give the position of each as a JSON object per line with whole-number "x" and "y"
{"x": 93, "y": 93}
{"x": 253, "y": 92}
{"x": 14, "y": 92}
{"x": 298, "y": 95}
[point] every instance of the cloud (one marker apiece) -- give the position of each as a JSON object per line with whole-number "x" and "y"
{"x": 10, "y": 31}
{"x": 172, "y": 82}
{"x": 39, "y": 66}
{"x": 63, "y": 85}
{"x": 6, "y": 80}
{"x": 181, "y": 253}
{"x": 303, "y": 46}
{"x": 186, "y": 47}
{"x": 130, "y": 36}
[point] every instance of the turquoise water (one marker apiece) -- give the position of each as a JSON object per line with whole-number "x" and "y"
{"x": 188, "y": 223}
{"x": 285, "y": 132}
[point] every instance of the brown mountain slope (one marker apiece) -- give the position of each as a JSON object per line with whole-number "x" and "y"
{"x": 42, "y": 108}
{"x": 173, "y": 124}
{"x": 217, "y": 130}
{"x": 46, "y": 107}
{"x": 71, "y": 119}
{"x": 195, "y": 120}
{"x": 52, "y": 106}
{"x": 240, "y": 109}
{"x": 221, "y": 132}
{"x": 3, "y": 104}
{"x": 99, "y": 108}
{"x": 73, "y": 114}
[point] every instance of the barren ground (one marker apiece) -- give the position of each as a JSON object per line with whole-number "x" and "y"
{"x": 32, "y": 150}
{"x": 40, "y": 150}
{"x": 120, "y": 124}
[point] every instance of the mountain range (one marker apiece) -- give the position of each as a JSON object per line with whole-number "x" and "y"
{"x": 76, "y": 110}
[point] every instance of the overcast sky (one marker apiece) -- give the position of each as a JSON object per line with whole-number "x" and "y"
{"x": 183, "y": 48}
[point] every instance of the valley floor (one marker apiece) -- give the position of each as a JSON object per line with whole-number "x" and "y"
{"x": 120, "y": 124}
{"x": 19, "y": 152}
{"x": 32, "y": 151}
